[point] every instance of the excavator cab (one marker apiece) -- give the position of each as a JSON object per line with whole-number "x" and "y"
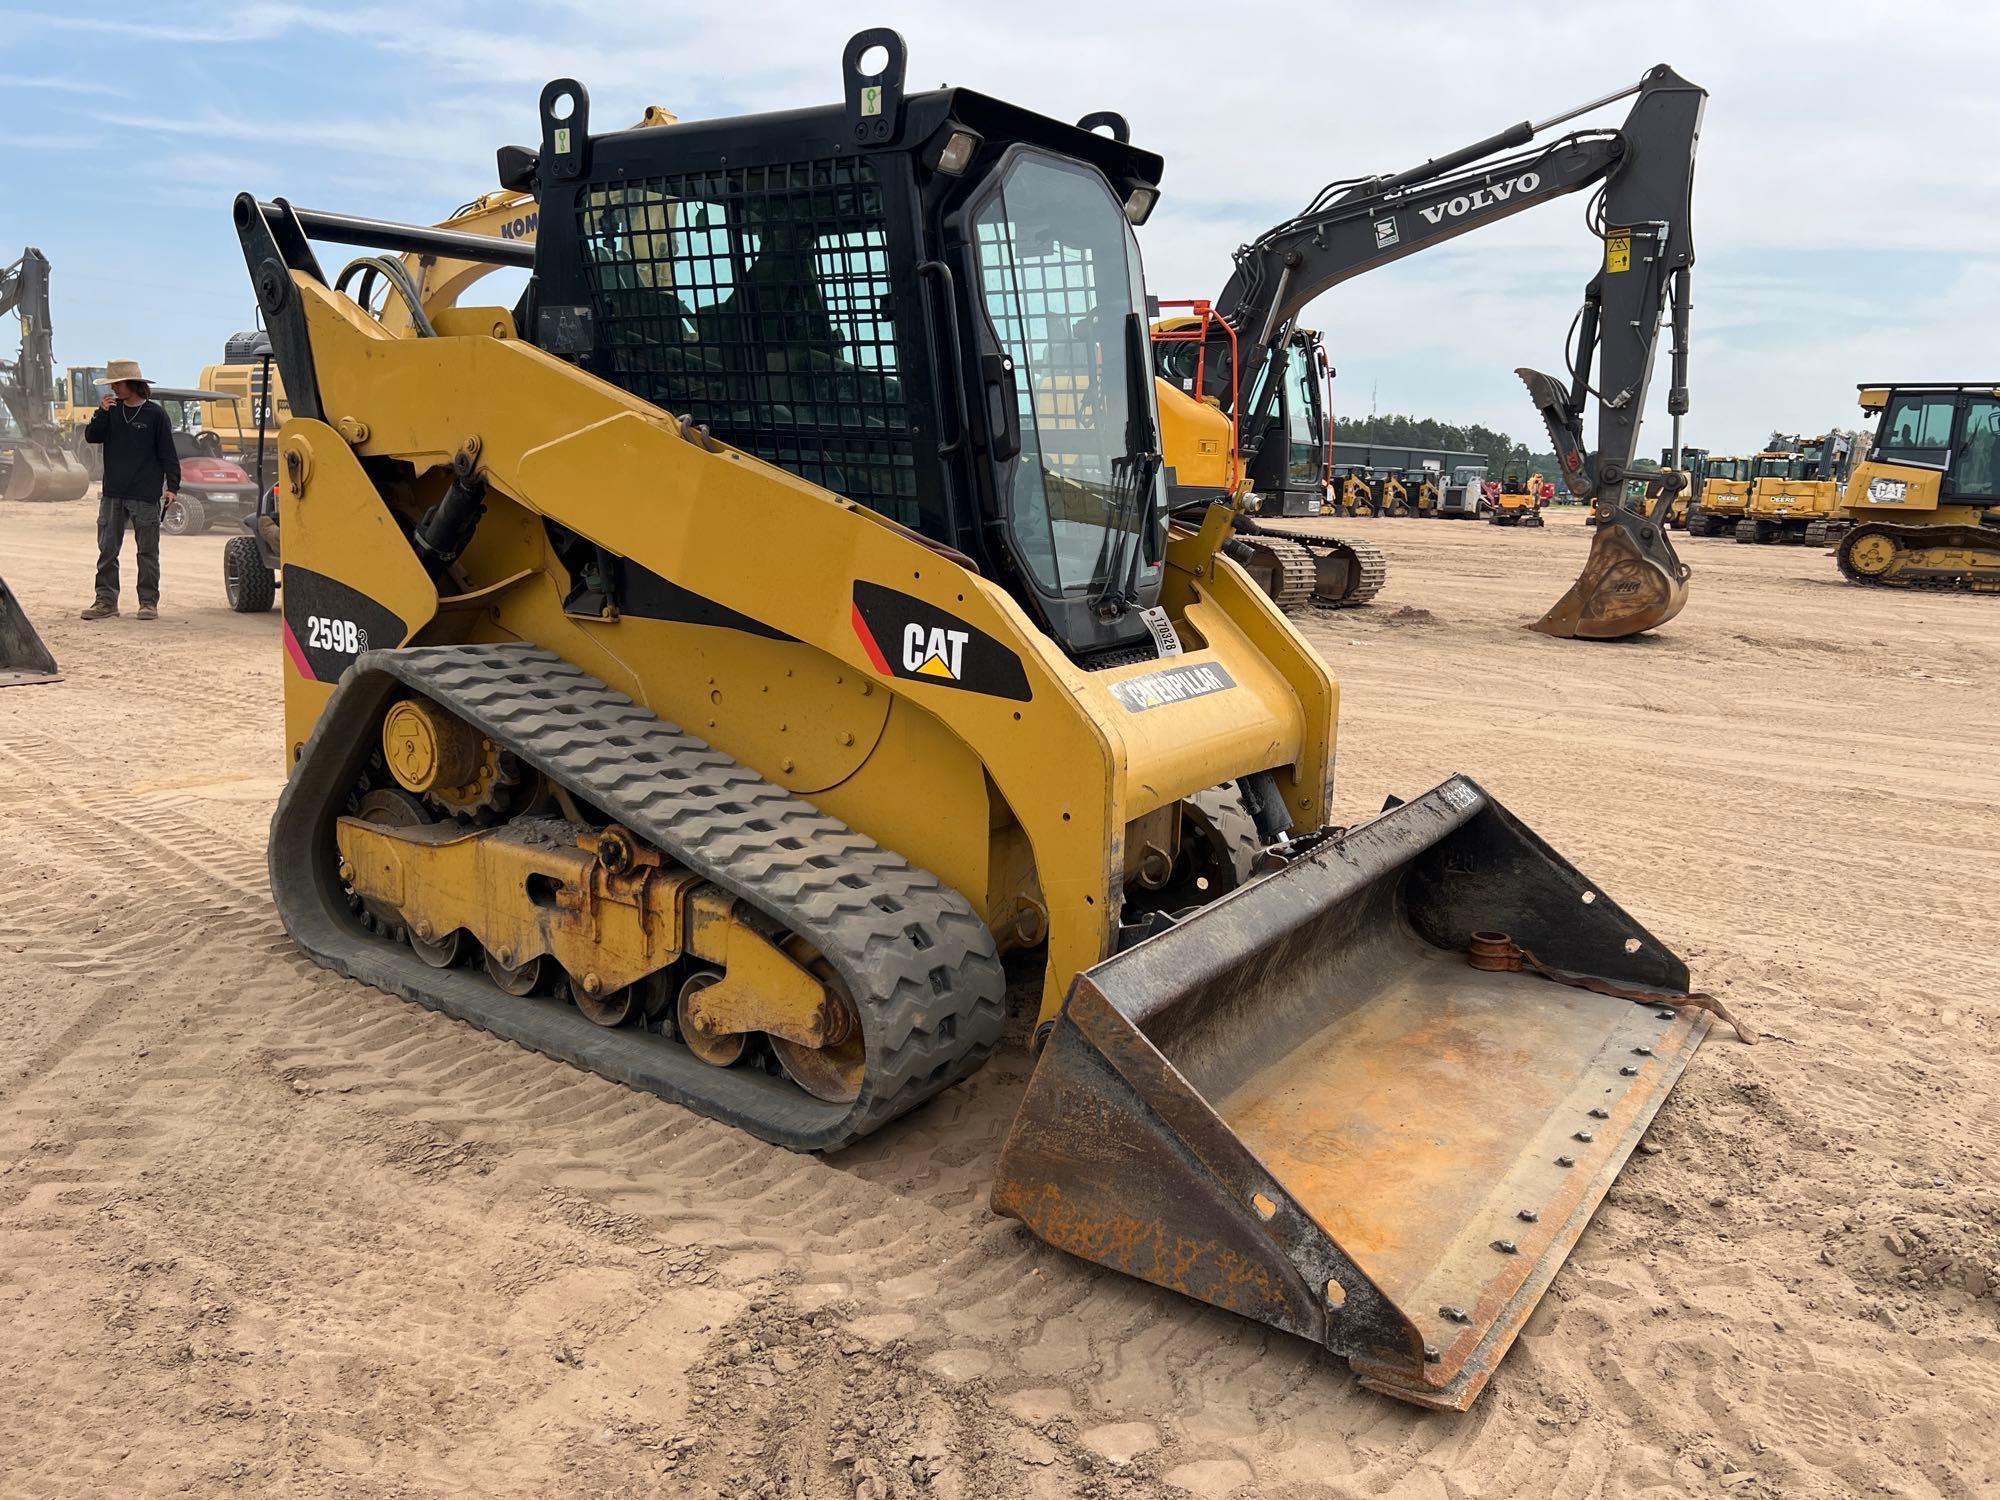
{"x": 705, "y": 672}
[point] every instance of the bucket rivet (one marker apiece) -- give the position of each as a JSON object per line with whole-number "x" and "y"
{"x": 1565, "y": 1161}
{"x": 1600, "y": 1114}
{"x": 1664, "y": 1015}
{"x": 1584, "y": 1135}
{"x": 1643, "y": 1051}
{"x": 1506, "y": 1247}
{"x": 1628, "y": 1071}
{"x": 1527, "y": 1216}
{"x": 1454, "y": 1315}
{"x": 1431, "y": 1356}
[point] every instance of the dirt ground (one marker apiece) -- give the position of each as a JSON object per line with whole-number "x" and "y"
{"x": 265, "y": 1231}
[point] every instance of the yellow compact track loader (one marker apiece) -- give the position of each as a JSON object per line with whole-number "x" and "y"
{"x": 1922, "y": 509}
{"x": 705, "y": 671}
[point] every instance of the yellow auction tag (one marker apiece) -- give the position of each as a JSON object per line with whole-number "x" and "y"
{"x": 1618, "y": 252}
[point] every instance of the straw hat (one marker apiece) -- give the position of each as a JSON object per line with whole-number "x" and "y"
{"x": 123, "y": 369}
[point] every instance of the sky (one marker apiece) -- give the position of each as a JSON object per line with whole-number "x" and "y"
{"x": 1845, "y": 189}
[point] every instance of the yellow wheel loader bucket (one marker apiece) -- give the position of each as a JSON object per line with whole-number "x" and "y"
{"x": 32, "y": 472}
{"x": 1304, "y": 1104}
{"x": 23, "y": 657}
{"x": 1632, "y": 581}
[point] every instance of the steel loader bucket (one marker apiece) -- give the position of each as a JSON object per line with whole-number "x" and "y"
{"x": 23, "y": 657}
{"x": 1632, "y": 581}
{"x": 1304, "y": 1105}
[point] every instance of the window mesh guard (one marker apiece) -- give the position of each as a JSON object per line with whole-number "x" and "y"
{"x": 758, "y": 301}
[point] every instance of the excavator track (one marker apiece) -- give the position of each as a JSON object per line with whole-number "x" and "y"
{"x": 914, "y": 957}
{"x": 1944, "y": 559}
{"x": 1282, "y": 567}
{"x": 1366, "y": 570}
{"x": 1369, "y": 573}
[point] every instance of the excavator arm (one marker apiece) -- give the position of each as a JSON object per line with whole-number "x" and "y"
{"x": 1643, "y": 217}
{"x": 36, "y": 465}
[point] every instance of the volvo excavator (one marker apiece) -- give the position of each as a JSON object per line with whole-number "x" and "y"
{"x": 1643, "y": 173}
{"x": 704, "y": 671}
{"x": 35, "y": 462}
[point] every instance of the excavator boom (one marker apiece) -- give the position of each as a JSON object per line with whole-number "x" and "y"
{"x": 1645, "y": 169}
{"x": 35, "y": 464}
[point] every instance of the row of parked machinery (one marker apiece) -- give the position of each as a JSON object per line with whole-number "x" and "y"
{"x": 1918, "y": 506}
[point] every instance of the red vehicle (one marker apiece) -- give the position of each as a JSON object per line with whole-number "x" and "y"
{"x": 212, "y": 488}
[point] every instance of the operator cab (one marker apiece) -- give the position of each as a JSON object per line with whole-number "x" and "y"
{"x": 931, "y": 304}
{"x": 1953, "y": 429}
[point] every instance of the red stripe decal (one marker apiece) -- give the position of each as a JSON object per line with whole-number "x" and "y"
{"x": 298, "y": 657}
{"x": 868, "y": 644}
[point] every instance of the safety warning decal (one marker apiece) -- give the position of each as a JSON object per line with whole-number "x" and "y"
{"x": 1618, "y": 250}
{"x": 907, "y": 637}
{"x": 1174, "y": 685}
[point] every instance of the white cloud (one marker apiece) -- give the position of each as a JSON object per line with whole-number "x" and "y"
{"x": 1812, "y": 181}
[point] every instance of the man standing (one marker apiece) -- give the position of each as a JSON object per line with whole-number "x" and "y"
{"x": 139, "y": 465}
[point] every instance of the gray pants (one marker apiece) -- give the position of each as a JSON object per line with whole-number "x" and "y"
{"x": 112, "y": 514}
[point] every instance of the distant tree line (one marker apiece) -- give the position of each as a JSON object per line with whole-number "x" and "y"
{"x": 1397, "y": 431}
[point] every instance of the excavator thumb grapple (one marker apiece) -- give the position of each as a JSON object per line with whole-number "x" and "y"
{"x": 1633, "y": 579}
{"x": 1631, "y": 582}
{"x": 1306, "y": 1105}
{"x": 23, "y": 657}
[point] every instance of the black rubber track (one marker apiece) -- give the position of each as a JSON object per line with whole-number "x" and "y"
{"x": 912, "y": 953}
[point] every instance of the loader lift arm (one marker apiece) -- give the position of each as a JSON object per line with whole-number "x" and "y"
{"x": 1644, "y": 171}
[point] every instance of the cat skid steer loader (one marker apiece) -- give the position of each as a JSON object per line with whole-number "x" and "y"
{"x": 705, "y": 671}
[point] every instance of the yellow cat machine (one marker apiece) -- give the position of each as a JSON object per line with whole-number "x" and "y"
{"x": 1287, "y": 475}
{"x": 1796, "y": 495}
{"x": 1395, "y": 496}
{"x": 1354, "y": 492}
{"x": 1724, "y": 496}
{"x": 1923, "y": 506}
{"x": 1519, "y": 500}
{"x": 705, "y": 671}
{"x": 36, "y": 457}
{"x": 1643, "y": 172}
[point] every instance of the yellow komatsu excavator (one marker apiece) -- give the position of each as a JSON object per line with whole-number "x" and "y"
{"x": 1922, "y": 508}
{"x": 706, "y": 670}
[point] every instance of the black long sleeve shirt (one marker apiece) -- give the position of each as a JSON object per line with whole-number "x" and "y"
{"x": 139, "y": 457}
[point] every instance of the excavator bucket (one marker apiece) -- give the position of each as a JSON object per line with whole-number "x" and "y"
{"x": 1632, "y": 581}
{"x": 29, "y": 471}
{"x": 1304, "y": 1104}
{"x": 23, "y": 657}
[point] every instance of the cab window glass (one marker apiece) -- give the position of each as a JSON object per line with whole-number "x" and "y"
{"x": 1916, "y": 429}
{"x": 1978, "y": 476}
